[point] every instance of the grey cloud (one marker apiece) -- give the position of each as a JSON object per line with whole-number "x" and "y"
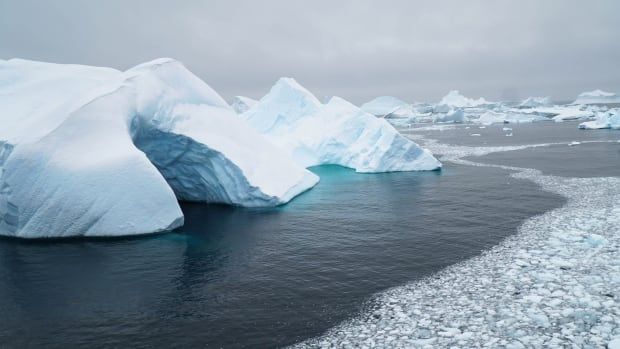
{"x": 416, "y": 50}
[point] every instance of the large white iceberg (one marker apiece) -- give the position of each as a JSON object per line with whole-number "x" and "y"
{"x": 241, "y": 104}
{"x": 597, "y": 97}
{"x": 336, "y": 133}
{"x": 98, "y": 152}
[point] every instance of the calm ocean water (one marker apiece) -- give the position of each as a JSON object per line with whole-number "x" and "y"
{"x": 235, "y": 277}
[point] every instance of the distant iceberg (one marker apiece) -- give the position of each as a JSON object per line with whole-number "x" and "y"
{"x": 241, "y": 104}
{"x": 455, "y": 99}
{"x": 388, "y": 107}
{"x": 533, "y": 102}
{"x": 511, "y": 117}
{"x": 337, "y": 133}
{"x": 98, "y": 152}
{"x": 597, "y": 97}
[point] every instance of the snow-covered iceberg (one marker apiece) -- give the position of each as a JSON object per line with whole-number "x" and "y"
{"x": 597, "y": 97}
{"x": 241, "y": 104}
{"x": 388, "y": 107}
{"x": 98, "y": 152}
{"x": 533, "y": 102}
{"x": 456, "y": 99}
{"x": 337, "y": 133}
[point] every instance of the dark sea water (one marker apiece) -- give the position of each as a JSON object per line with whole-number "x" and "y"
{"x": 235, "y": 277}
{"x": 238, "y": 278}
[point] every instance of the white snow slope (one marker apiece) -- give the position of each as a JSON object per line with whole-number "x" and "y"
{"x": 336, "y": 133}
{"x": 98, "y": 152}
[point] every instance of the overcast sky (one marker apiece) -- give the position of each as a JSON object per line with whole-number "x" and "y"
{"x": 355, "y": 49}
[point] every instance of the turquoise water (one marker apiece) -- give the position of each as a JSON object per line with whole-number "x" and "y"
{"x": 234, "y": 277}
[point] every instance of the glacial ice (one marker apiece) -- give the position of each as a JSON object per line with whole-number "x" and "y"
{"x": 597, "y": 97}
{"x": 388, "y": 107}
{"x": 603, "y": 120}
{"x": 532, "y": 102}
{"x": 241, "y": 104}
{"x": 455, "y": 99}
{"x": 456, "y": 115}
{"x": 336, "y": 133}
{"x": 513, "y": 117}
{"x": 98, "y": 152}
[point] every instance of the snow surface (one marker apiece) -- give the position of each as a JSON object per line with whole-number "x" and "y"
{"x": 337, "y": 133}
{"x": 98, "y": 152}
{"x": 552, "y": 285}
{"x": 241, "y": 104}
{"x": 597, "y": 97}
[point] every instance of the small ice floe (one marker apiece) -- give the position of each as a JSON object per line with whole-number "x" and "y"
{"x": 507, "y": 129}
{"x": 475, "y": 134}
{"x": 614, "y": 343}
{"x": 482, "y": 127}
{"x": 509, "y": 134}
{"x": 467, "y": 128}
{"x": 573, "y": 143}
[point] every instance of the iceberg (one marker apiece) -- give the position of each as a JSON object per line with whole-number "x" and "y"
{"x": 241, "y": 104}
{"x": 88, "y": 151}
{"x": 565, "y": 113}
{"x": 388, "y": 107}
{"x": 603, "y": 120}
{"x": 597, "y": 97}
{"x": 336, "y": 133}
{"x": 454, "y": 115}
{"x": 532, "y": 102}
{"x": 455, "y": 99}
{"x": 492, "y": 117}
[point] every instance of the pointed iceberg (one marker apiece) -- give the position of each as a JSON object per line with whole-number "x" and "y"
{"x": 337, "y": 133}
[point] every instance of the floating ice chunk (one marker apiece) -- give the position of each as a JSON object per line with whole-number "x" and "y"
{"x": 241, "y": 104}
{"x": 604, "y": 120}
{"x": 475, "y": 134}
{"x": 509, "y": 134}
{"x": 507, "y": 129}
{"x": 614, "y": 343}
{"x": 597, "y": 97}
{"x": 453, "y": 115}
{"x": 573, "y": 143}
{"x": 492, "y": 117}
{"x": 337, "y": 133}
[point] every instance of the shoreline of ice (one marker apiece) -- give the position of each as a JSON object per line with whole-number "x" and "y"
{"x": 554, "y": 283}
